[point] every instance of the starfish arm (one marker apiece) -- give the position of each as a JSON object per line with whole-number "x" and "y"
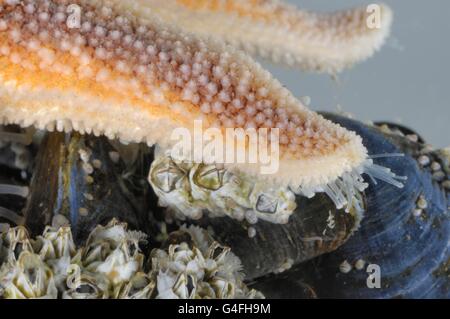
{"x": 129, "y": 76}
{"x": 281, "y": 32}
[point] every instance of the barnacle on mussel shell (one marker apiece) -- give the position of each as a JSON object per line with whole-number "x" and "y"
{"x": 189, "y": 189}
{"x": 111, "y": 264}
{"x": 401, "y": 249}
{"x": 316, "y": 227}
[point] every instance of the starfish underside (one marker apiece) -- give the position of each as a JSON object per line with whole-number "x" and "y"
{"x": 125, "y": 73}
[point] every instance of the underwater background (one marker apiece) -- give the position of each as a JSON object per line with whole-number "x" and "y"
{"x": 407, "y": 82}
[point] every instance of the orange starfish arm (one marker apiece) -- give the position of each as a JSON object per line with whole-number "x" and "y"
{"x": 128, "y": 76}
{"x": 282, "y": 33}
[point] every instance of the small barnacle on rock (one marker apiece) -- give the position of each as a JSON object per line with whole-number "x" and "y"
{"x": 251, "y": 232}
{"x": 97, "y": 164}
{"x": 88, "y": 169}
{"x": 88, "y": 196}
{"x": 113, "y": 251}
{"x": 114, "y": 156}
{"x": 83, "y": 212}
{"x": 423, "y": 160}
{"x": 85, "y": 155}
{"x": 285, "y": 266}
{"x": 417, "y": 212}
{"x": 413, "y": 138}
{"x": 360, "y": 263}
{"x": 422, "y": 202}
{"x": 345, "y": 267}
{"x": 27, "y": 277}
{"x": 435, "y": 166}
{"x": 200, "y": 269}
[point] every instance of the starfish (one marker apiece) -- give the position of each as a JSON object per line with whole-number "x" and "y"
{"x": 127, "y": 74}
{"x": 281, "y": 32}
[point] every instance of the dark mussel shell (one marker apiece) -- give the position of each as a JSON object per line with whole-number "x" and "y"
{"x": 395, "y": 253}
{"x": 277, "y": 247}
{"x": 85, "y": 193}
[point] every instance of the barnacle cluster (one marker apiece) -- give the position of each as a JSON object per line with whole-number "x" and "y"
{"x": 200, "y": 269}
{"x": 111, "y": 264}
{"x": 190, "y": 189}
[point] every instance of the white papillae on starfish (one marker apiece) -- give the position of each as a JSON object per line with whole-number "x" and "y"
{"x": 283, "y": 33}
{"x": 130, "y": 75}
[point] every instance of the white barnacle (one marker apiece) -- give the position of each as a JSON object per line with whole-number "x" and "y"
{"x": 190, "y": 189}
{"x": 360, "y": 263}
{"x": 27, "y": 277}
{"x": 345, "y": 267}
{"x": 206, "y": 270}
{"x": 422, "y": 202}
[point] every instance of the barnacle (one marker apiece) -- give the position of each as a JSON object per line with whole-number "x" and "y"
{"x": 27, "y": 277}
{"x": 111, "y": 265}
{"x": 204, "y": 269}
{"x": 126, "y": 74}
{"x": 190, "y": 189}
{"x": 56, "y": 248}
{"x": 13, "y": 242}
{"x": 114, "y": 252}
{"x": 83, "y": 285}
